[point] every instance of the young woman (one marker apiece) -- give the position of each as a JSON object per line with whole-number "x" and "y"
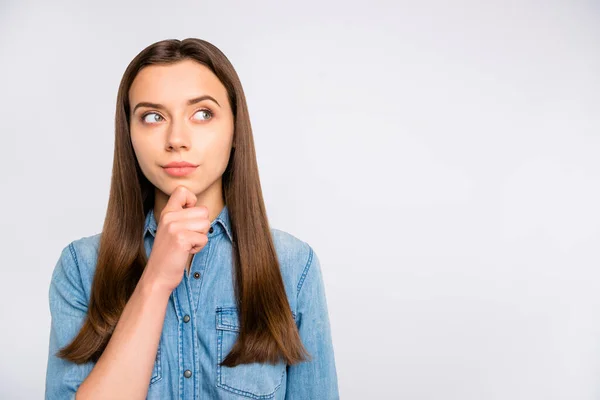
{"x": 187, "y": 293}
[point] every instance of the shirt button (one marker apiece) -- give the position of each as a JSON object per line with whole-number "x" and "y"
{"x": 211, "y": 230}
{"x": 187, "y": 373}
{"x": 186, "y": 318}
{"x": 196, "y": 275}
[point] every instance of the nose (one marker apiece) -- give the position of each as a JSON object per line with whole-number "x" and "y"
{"x": 178, "y": 136}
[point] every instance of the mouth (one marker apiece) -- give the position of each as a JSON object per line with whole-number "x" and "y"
{"x": 180, "y": 171}
{"x": 179, "y": 164}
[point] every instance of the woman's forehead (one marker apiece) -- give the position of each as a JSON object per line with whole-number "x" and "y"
{"x": 176, "y": 83}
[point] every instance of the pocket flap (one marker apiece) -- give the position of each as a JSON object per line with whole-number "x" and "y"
{"x": 227, "y": 319}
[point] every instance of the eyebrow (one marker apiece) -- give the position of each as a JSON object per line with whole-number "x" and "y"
{"x": 161, "y": 107}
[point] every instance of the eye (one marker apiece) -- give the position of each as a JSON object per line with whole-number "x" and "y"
{"x": 207, "y": 113}
{"x": 156, "y": 118}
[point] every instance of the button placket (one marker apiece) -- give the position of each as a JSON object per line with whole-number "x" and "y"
{"x": 188, "y": 355}
{"x": 198, "y": 265}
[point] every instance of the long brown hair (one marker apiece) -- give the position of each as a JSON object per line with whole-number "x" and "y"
{"x": 268, "y": 332}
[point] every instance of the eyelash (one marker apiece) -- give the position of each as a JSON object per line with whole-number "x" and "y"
{"x": 154, "y": 112}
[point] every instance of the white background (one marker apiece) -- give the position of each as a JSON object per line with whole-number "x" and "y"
{"x": 442, "y": 158}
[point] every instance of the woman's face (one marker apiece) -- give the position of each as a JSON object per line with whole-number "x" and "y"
{"x": 169, "y": 124}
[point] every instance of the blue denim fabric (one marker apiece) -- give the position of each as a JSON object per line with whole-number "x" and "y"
{"x": 206, "y": 297}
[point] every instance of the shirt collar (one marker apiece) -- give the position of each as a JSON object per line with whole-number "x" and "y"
{"x": 221, "y": 224}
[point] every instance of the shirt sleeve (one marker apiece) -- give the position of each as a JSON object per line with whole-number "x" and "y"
{"x": 68, "y": 310}
{"x": 316, "y": 378}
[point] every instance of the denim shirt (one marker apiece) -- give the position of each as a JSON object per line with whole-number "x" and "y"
{"x": 201, "y": 324}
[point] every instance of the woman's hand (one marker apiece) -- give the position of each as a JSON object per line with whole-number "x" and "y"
{"x": 181, "y": 232}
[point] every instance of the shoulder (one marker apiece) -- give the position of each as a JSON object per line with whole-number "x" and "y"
{"x": 295, "y": 256}
{"x": 87, "y": 247}
{"x": 291, "y": 250}
{"x": 77, "y": 263}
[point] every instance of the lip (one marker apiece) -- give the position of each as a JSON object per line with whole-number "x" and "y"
{"x": 179, "y": 164}
{"x": 179, "y": 171}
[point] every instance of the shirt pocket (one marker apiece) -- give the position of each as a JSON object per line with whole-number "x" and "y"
{"x": 254, "y": 380}
{"x": 157, "y": 370}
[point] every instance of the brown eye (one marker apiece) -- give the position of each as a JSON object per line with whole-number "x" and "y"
{"x": 156, "y": 118}
{"x": 207, "y": 114}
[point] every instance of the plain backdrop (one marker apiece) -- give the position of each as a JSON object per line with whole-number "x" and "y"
{"x": 441, "y": 157}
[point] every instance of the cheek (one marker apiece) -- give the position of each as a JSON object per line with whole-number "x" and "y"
{"x": 219, "y": 154}
{"x": 137, "y": 150}
{"x": 142, "y": 152}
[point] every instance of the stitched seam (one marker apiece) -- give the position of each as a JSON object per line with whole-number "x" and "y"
{"x": 252, "y": 395}
{"x": 224, "y": 325}
{"x": 194, "y": 349}
{"x": 179, "y": 341}
{"x": 305, "y": 272}
{"x": 206, "y": 270}
{"x": 74, "y": 255}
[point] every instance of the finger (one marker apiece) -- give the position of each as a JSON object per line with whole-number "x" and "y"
{"x": 181, "y": 198}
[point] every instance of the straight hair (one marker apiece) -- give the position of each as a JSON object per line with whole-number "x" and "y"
{"x": 268, "y": 332}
